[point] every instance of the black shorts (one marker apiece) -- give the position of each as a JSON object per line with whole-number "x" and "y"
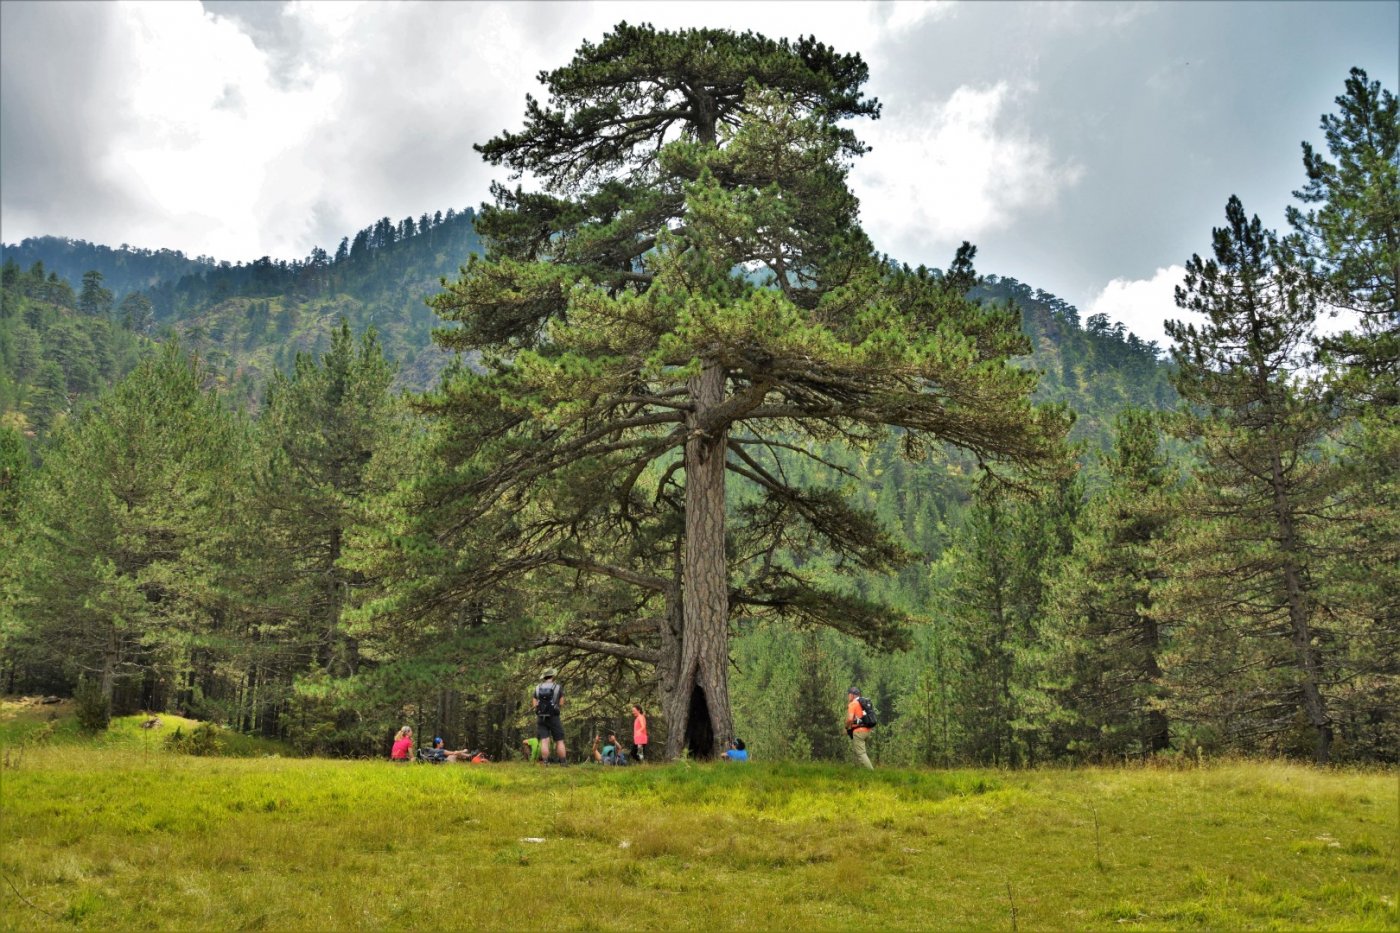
{"x": 549, "y": 727}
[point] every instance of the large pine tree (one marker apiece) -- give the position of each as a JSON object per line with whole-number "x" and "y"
{"x": 1349, "y": 238}
{"x": 1251, "y": 654}
{"x": 14, "y": 474}
{"x": 997, "y": 570}
{"x": 321, "y": 428}
{"x": 690, "y": 294}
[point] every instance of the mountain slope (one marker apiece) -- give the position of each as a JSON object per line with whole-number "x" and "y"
{"x": 53, "y": 354}
{"x": 248, "y": 319}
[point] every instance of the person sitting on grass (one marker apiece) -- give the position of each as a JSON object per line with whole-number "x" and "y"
{"x": 530, "y": 748}
{"x": 619, "y": 757}
{"x": 462, "y": 755}
{"x": 403, "y": 746}
{"x": 736, "y": 752}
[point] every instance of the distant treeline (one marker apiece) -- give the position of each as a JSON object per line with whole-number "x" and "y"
{"x": 176, "y": 284}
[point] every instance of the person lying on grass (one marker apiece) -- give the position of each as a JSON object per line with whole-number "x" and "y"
{"x": 465, "y": 756}
{"x": 612, "y": 753}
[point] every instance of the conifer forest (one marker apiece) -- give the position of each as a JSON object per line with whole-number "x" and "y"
{"x": 660, "y": 416}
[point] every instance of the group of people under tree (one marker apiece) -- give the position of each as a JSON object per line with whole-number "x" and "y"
{"x": 547, "y": 702}
{"x": 548, "y": 745}
{"x": 402, "y": 751}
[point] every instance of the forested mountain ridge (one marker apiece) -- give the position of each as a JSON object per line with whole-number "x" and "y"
{"x": 247, "y": 320}
{"x": 1097, "y": 368}
{"x": 124, "y": 269}
{"x": 58, "y": 345}
{"x": 374, "y": 263}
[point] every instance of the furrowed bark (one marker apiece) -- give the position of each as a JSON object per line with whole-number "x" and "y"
{"x": 701, "y": 695}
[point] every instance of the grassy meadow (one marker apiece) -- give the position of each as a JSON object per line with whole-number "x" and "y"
{"x": 119, "y": 833}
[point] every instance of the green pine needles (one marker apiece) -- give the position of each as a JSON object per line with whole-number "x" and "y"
{"x": 690, "y": 300}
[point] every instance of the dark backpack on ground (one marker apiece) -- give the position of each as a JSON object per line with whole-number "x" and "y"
{"x": 547, "y": 696}
{"x": 867, "y": 714}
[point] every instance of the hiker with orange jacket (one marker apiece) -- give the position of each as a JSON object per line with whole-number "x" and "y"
{"x": 860, "y": 719}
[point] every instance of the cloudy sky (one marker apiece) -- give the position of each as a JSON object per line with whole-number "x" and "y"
{"x": 1086, "y": 148}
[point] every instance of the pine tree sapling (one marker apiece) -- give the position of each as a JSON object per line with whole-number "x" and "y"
{"x": 93, "y": 708}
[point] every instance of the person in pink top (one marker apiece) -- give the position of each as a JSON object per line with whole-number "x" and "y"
{"x": 639, "y": 733}
{"x": 403, "y": 746}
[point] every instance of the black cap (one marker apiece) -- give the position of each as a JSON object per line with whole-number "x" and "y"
{"x": 853, "y": 690}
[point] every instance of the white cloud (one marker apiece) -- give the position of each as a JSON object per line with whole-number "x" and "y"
{"x": 236, "y": 139}
{"x": 272, "y": 128}
{"x": 909, "y": 14}
{"x": 847, "y": 26}
{"x": 203, "y": 127}
{"x": 942, "y": 172}
{"x": 1142, "y": 305}
{"x": 187, "y": 126}
{"x": 1078, "y": 16}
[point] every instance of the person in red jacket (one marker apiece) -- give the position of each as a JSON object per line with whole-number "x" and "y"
{"x": 639, "y": 734}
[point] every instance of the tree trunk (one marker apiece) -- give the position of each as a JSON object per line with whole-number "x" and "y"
{"x": 700, "y": 700}
{"x": 668, "y": 672}
{"x": 109, "y": 677}
{"x": 1309, "y": 662}
{"x": 1157, "y": 734}
{"x": 334, "y": 656}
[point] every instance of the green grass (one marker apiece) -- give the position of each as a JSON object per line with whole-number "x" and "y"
{"x": 115, "y": 837}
